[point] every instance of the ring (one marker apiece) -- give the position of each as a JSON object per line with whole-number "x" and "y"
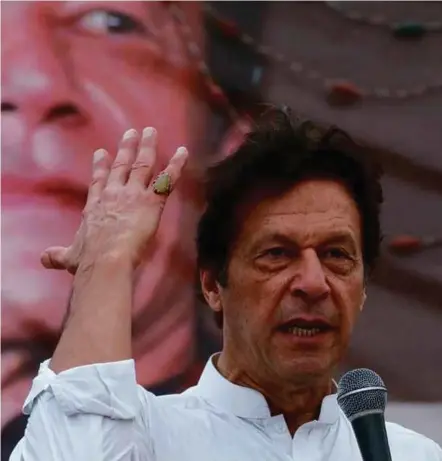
{"x": 162, "y": 184}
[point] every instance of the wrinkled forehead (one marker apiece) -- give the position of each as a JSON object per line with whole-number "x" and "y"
{"x": 309, "y": 207}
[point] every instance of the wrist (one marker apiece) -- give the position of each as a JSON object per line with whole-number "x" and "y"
{"x": 107, "y": 260}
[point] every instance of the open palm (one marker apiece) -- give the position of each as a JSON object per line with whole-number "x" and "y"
{"x": 123, "y": 207}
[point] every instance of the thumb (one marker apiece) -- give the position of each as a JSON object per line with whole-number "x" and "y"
{"x": 55, "y": 258}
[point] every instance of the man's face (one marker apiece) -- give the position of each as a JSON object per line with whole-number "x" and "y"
{"x": 296, "y": 262}
{"x": 75, "y": 76}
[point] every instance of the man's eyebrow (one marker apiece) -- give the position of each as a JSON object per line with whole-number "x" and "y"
{"x": 275, "y": 237}
{"x": 341, "y": 237}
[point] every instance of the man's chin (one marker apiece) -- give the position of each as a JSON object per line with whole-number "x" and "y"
{"x": 308, "y": 369}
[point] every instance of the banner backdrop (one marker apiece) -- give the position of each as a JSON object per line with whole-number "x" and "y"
{"x": 75, "y": 76}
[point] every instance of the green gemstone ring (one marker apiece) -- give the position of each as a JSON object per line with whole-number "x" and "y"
{"x": 162, "y": 184}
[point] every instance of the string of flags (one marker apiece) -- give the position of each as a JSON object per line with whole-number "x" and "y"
{"x": 216, "y": 93}
{"x": 409, "y": 29}
{"x": 337, "y": 92}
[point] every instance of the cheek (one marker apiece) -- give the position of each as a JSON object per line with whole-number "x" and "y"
{"x": 254, "y": 302}
{"x": 139, "y": 94}
{"x": 348, "y": 300}
{"x": 139, "y": 78}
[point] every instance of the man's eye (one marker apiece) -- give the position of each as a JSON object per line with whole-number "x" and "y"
{"x": 335, "y": 253}
{"x": 276, "y": 252}
{"x": 111, "y": 22}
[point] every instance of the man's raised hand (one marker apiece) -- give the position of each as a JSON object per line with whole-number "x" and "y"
{"x": 124, "y": 204}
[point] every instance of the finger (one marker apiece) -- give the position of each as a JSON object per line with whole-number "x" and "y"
{"x": 173, "y": 170}
{"x": 100, "y": 173}
{"x": 141, "y": 172}
{"x": 126, "y": 154}
{"x": 55, "y": 258}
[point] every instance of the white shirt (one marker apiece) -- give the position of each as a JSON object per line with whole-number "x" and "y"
{"x": 99, "y": 413}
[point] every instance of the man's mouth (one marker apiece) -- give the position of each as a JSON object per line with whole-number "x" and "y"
{"x": 305, "y": 327}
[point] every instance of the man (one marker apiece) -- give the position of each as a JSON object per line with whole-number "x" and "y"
{"x": 75, "y": 76}
{"x": 290, "y": 232}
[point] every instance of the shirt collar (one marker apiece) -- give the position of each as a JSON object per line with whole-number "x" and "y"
{"x": 246, "y": 402}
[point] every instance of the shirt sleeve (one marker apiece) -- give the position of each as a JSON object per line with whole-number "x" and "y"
{"x": 93, "y": 412}
{"x": 436, "y": 451}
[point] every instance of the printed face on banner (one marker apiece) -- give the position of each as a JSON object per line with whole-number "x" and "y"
{"x": 75, "y": 76}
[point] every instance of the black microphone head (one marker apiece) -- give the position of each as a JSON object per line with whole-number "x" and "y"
{"x": 361, "y": 392}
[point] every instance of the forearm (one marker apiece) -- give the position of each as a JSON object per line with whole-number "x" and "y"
{"x": 98, "y": 328}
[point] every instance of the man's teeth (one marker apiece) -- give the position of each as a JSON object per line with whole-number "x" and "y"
{"x": 304, "y": 331}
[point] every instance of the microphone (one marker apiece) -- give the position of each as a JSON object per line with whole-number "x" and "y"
{"x": 362, "y": 396}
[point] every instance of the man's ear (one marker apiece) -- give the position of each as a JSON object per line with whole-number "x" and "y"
{"x": 211, "y": 290}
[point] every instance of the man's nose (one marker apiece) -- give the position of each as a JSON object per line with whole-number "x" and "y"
{"x": 37, "y": 83}
{"x": 310, "y": 282}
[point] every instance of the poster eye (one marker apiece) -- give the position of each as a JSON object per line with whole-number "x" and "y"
{"x": 111, "y": 22}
